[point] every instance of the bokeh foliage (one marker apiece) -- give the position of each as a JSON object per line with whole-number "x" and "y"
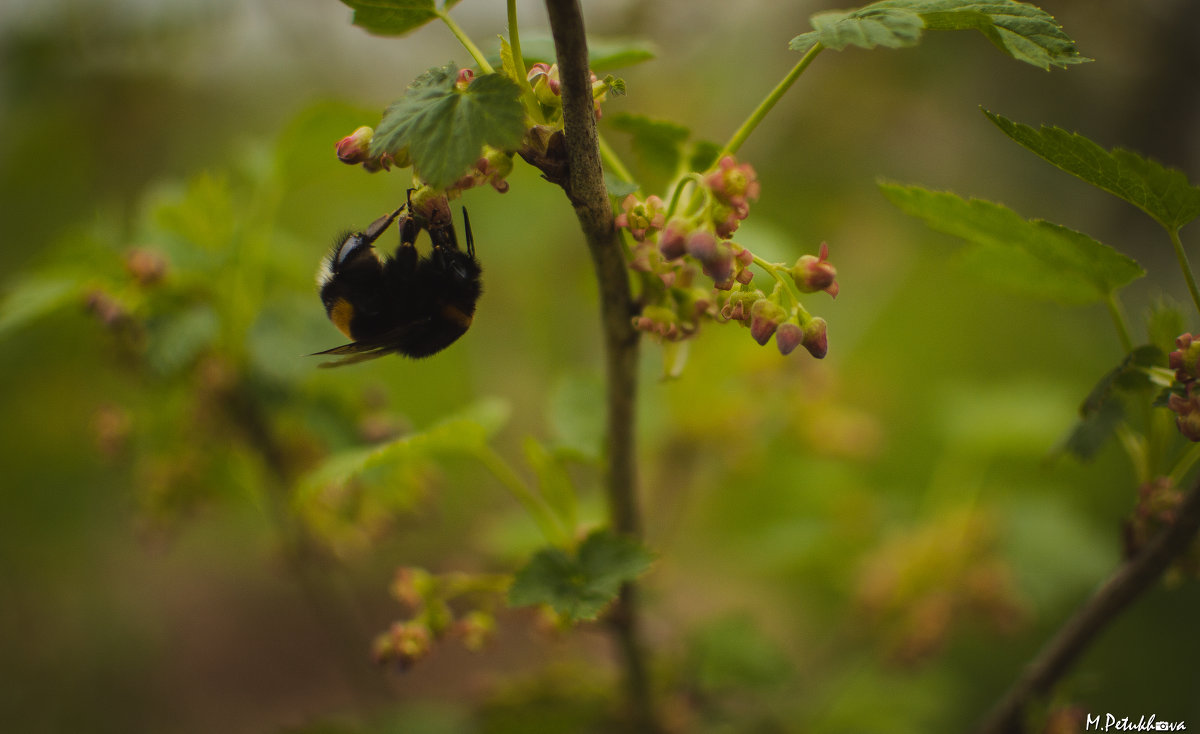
{"x": 872, "y": 543}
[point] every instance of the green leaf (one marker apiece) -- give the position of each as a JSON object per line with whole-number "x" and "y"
{"x": 704, "y": 155}
{"x": 445, "y": 129}
{"x": 869, "y": 27}
{"x": 604, "y": 54}
{"x": 1163, "y": 193}
{"x": 1039, "y": 258}
{"x": 33, "y": 297}
{"x": 658, "y": 144}
{"x": 1102, "y": 410}
{"x": 617, "y": 187}
{"x": 581, "y": 584}
{"x": 462, "y": 433}
{"x": 1130, "y": 374}
{"x": 554, "y": 482}
{"x": 394, "y": 17}
{"x": 1165, "y": 322}
{"x": 178, "y": 338}
{"x": 1023, "y": 31}
{"x": 1093, "y": 430}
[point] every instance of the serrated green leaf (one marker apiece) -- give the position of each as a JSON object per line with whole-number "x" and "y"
{"x": 1039, "y": 258}
{"x": 508, "y": 64}
{"x": 657, "y": 143}
{"x": 393, "y": 17}
{"x": 867, "y": 28}
{"x": 604, "y": 54}
{"x": 445, "y": 129}
{"x": 1023, "y": 31}
{"x": 1163, "y": 193}
{"x": 581, "y": 584}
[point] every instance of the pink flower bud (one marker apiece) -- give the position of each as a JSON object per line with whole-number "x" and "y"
{"x": 788, "y": 336}
{"x": 1186, "y": 407}
{"x": 672, "y": 242}
{"x": 353, "y": 149}
{"x": 815, "y": 339}
{"x": 464, "y": 78}
{"x": 702, "y": 245}
{"x": 812, "y": 274}
{"x": 765, "y": 317}
{"x": 1185, "y": 360}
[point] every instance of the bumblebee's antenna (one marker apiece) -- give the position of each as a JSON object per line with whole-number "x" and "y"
{"x": 470, "y": 238}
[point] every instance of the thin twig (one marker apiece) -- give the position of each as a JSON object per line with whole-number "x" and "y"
{"x": 586, "y": 190}
{"x": 1126, "y": 584}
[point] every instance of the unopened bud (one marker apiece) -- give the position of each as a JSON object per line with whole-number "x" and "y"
{"x": 765, "y": 318}
{"x": 1186, "y": 359}
{"x": 355, "y": 147}
{"x": 1186, "y": 406}
{"x": 788, "y": 336}
{"x": 146, "y": 266}
{"x": 816, "y": 341}
{"x": 812, "y": 274}
{"x": 672, "y": 241}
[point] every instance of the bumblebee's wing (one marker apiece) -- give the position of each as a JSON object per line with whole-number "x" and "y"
{"x": 354, "y": 352}
{"x": 361, "y": 351}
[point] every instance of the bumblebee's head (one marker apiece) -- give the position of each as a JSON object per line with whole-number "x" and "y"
{"x": 352, "y": 282}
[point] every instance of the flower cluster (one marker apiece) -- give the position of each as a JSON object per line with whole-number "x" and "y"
{"x": 675, "y": 253}
{"x": 430, "y": 599}
{"x": 548, "y": 89}
{"x": 1184, "y": 399}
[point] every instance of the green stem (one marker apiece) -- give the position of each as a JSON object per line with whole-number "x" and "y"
{"x": 786, "y": 282}
{"x": 612, "y": 161}
{"x": 1118, "y": 317}
{"x": 514, "y": 42}
{"x": 550, "y": 527}
{"x": 765, "y": 106}
{"x": 465, "y": 40}
{"x": 1181, "y": 256}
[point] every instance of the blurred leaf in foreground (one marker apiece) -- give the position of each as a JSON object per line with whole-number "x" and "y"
{"x": 580, "y": 584}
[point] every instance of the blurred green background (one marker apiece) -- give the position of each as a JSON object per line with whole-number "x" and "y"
{"x": 875, "y": 542}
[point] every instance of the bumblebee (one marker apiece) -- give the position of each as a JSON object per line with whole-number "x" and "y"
{"x": 406, "y": 304}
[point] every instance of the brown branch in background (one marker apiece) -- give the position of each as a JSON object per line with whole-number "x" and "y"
{"x": 585, "y": 188}
{"x": 1125, "y": 585}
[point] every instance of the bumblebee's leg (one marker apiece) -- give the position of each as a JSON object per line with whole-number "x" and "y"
{"x": 470, "y": 238}
{"x": 379, "y": 226}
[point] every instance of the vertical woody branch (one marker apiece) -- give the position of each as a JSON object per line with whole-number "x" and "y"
{"x": 585, "y": 188}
